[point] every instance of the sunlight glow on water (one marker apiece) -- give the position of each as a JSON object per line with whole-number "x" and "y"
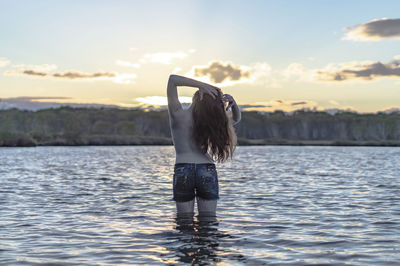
{"x": 278, "y": 205}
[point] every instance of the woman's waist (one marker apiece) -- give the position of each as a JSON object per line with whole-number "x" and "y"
{"x": 194, "y": 166}
{"x": 194, "y": 158}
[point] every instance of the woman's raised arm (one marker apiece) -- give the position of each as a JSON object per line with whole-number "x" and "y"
{"x": 172, "y": 92}
{"x": 236, "y": 115}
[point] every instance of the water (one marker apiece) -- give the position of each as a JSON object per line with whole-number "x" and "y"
{"x": 279, "y": 205}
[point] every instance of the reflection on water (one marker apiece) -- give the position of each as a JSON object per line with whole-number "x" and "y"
{"x": 198, "y": 239}
{"x": 278, "y": 206}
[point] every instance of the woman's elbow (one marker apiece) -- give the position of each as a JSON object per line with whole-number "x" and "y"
{"x": 172, "y": 78}
{"x": 171, "y": 83}
{"x": 235, "y": 121}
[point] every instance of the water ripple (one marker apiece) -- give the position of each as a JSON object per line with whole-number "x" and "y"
{"x": 279, "y": 205}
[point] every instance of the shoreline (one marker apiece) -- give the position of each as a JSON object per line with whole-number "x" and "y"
{"x": 157, "y": 141}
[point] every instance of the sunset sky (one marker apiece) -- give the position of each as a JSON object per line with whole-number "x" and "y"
{"x": 267, "y": 54}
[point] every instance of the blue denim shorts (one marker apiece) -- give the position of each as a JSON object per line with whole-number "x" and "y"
{"x": 195, "y": 179}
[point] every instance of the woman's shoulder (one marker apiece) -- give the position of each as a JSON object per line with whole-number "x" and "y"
{"x": 181, "y": 113}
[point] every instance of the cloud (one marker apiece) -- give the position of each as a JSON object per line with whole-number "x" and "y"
{"x": 291, "y": 106}
{"x": 226, "y": 74}
{"x": 37, "y": 103}
{"x": 161, "y": 100}
{"x": 298, "y": 71}
{"x": 218, "y": 72}
{"x": 366, "y": 70}
{"x": 363, "y": 70}
{"x": 298, "y": 103}
{"x": 4, "y": 61}
{"x": 122, "y": 78}
{"x": 252, "y": 106}
{"x": 81, "y": 75}
{"x": 63, "y": 75}
{"x": 31, "y": 72}
{"x": 374, "y": 30}
{"x": 279, "y": 104}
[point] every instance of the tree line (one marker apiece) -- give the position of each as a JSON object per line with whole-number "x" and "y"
{"x": 112, "y": 126}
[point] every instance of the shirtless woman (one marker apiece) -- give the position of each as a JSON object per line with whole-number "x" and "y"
{"x": 201, "y": 134}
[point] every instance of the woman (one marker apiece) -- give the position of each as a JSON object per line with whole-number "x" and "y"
{"x": 202, "y": 134}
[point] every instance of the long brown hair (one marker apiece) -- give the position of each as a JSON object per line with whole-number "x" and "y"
{"x": 213, "y": 131}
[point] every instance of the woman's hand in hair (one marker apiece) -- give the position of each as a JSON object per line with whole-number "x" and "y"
{"x": 228, "y": 98}
{"x": 209, "y": 89}
{"x": 236, "y": 115}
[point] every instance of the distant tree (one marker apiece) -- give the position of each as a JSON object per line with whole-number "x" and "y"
{"x": 72, "y": 128}
{"x": 127, "y": 128}
{"x": 102, "y": 128}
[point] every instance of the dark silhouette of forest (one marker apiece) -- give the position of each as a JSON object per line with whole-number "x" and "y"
{"x": 113, "y": 126}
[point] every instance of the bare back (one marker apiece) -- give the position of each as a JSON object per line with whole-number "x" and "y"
{"x": 181, "y": 124}
{"x": 181, "y": 120}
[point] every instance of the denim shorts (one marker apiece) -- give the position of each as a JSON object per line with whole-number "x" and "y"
{"x": 195, "y": 179}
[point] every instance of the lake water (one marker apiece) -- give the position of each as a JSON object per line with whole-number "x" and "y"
{"x": 279, "y": 205}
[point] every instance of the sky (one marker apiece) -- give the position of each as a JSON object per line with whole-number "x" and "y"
{"x": 269, "y": 55}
